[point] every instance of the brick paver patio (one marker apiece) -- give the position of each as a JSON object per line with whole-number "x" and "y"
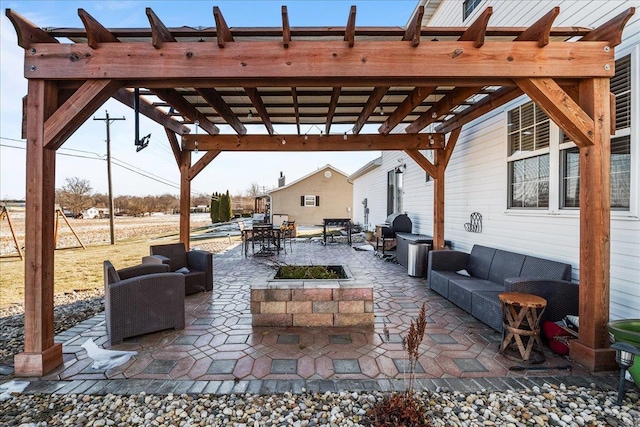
{"x": 219, "y": 350}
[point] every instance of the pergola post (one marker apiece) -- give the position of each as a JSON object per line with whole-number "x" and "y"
{"x": 185, "y": 198}
{"x": 591, "y": 349}
{"x": 40, "y": 354}
{"x": 438, "y": 201}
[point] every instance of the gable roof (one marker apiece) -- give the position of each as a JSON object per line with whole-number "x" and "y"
{"x": 373, "y": 164}
{"x": 308, "y": 176}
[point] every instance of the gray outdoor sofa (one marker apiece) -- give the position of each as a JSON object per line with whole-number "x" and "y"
{"x": 142, "y": 299}
{"x": 492, "y": 271}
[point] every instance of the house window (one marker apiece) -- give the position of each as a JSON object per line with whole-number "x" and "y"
{"x": 620, "y": 149}
{"x": 468, "y": 6}
{"x": 309, "y": 200}
{"x": 528, "y": 146}
{"x": 394, "y": 191}
{"x": 620, "y": 175}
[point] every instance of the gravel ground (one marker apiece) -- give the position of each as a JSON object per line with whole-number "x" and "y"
{"x": 544, "y": 406}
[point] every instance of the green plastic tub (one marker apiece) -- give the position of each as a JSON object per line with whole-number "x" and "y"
{"x": 628, "y": 330}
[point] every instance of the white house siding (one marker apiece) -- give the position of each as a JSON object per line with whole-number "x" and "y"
{"x": 476, "y": 178}
{"x": 371, "y": 186}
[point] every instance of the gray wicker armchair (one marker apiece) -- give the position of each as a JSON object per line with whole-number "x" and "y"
{"x": 198, "y": 278}
{"x": 142, "y": 299}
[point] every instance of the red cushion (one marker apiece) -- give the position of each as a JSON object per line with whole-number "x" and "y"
{"x": 553, "y": 333}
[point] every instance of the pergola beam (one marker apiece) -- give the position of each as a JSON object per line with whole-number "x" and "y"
{"x": 175, "y": 146}
{"x": 371, "y": 104}
{"x": 413, "y": 29}
{"x": 446, "y": 104}
{"x": 477, "y": 31}
{"x": 286, "y": 30}
{"x": 223, "y": 34}
{"x": 414, "y": 99}
{"x": 611, "y": 31}
{"x": 159, "y": 33}
{"x": 202, "y": 163}
{"x": 296, "y": 109}
{"x": 76, "y": 110}
{"x": 422, "y": 141}
{"x": 147, "y": 109}
{"x": 256, "y": 100}
{"x": 215, "y": 100}
{"x": 350, "y": 29}
{"x": 559, "y": 106}
{"x": 540, "y": 31}
{"x": 335, "y": 96}
{"x": 320, "y": 62}
{"x": 489, "y": 103}
{"x": 174, "y": 98}
{"x": 96, "y": 33}
{"x": 27, "y": 32}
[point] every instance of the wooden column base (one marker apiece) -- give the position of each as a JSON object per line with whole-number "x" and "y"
{"x": 594, "y": 359}
{"x": 38, "y": 364}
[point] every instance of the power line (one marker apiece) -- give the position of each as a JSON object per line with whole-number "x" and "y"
{"x": 129, "y": 167}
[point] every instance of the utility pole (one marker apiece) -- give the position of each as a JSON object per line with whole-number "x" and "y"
{"x": 108, "y": 121}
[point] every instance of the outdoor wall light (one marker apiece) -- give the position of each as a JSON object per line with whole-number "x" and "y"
{"x": 625, "y": 355}
{"x": 400, "y": 169}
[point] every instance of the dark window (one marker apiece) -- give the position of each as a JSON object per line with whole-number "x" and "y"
{"x": 529, "y": 182}
{"x": 468, "y": 7}
{"x": 620, "y": 175}
{"x": 621, "y": 87}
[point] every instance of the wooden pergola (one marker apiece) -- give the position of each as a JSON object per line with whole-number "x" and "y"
{"x": 436, "y": 79}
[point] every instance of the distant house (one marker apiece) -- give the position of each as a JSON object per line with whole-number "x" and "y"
{"x": 91, "y": 213}
{"x": 324, "y": 193}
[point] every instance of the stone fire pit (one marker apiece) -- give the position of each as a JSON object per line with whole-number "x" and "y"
{"x": 313, "y": 302}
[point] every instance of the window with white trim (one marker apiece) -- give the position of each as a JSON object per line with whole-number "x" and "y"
{"x": 620, "y": 149}
{"x": 528, "y": 142}
{"x": 468, "y": 6}
{"x": 309, "y": 200}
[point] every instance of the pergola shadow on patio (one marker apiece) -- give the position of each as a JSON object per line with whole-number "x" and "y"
{"x": 221, "y": 351}
{"x": 417, "y": 78}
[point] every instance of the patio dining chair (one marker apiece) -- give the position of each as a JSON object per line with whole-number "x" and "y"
{"x": 246, "y": 234}
{"x": 287, "y": 232}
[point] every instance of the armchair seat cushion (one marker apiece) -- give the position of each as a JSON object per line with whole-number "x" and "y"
{"x": 194, "y": 282}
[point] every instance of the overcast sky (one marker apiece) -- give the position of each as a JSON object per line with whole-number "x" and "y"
{"x": 154, "y": 170}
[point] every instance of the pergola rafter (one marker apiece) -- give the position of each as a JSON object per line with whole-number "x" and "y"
{"x": 317, "y": 77}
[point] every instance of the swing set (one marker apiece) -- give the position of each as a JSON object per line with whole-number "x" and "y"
{"x": 4, "y": 213}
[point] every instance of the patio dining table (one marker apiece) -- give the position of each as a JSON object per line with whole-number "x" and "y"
{"x": 269, "y": 237}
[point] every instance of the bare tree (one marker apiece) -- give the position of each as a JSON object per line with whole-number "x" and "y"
{"x": 75, "y": 195}
{"x": 254, "y": 190}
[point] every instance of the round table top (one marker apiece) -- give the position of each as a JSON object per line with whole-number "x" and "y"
{"x": 522, "y": 299}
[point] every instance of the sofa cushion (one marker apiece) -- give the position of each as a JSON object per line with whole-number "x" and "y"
{"x": 504, "y": 265}
{"x": 479, "y": 261}
{"x": 545, "y": 269}
{"x": 460, "y": 290}
{"x": 439, "y": 281}
{"x": 486, "y": 307}
{"x": 175, "y": 252}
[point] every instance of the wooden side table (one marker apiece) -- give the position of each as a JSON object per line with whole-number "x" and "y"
{"x": 521, "y": 324}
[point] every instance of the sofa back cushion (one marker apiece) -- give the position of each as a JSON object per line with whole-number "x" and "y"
{"x": 479, "y": 262}
{"x": 175, "y": 252}
{"x": 545, "y": 269}
{"x": 505, "y": 264}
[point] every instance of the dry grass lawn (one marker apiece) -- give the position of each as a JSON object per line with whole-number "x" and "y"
{"x": 77, "y": 268}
